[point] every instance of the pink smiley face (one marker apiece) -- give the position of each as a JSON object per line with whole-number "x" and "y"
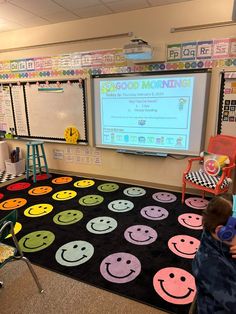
{"x": 120, "y": 267}
{"x": 140, "y": 235}
{"x": 196, "y": 202}
{"x": 175, "y": 285}
{"x": 164, "y": 197}
{"x": 191, "y": 221}
{"x": 184, "y": 245}
{"x": 212, "y": 167}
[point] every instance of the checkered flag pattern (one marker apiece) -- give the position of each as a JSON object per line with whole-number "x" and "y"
{"x": 203, "y": 179}
{"x": 4, "y": 176}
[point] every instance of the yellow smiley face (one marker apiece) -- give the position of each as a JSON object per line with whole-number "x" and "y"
{"x": 84, "y": 183}
{"x": 17, "y": 228}
{"x": 62, "y": 180}
{"x": 38, "y": 210}
{"x": 13, "y": 203}
{"x": 64, "y": 195}
{"x": 40, "y": 190}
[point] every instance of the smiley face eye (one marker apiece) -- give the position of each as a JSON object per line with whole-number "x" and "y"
{"x": 146, "y": 231}
{"x": 182, "y": 240}
{"x": 171, "y": 275}
{"x": 75, "y": 246}
{"x": 182, "y": 278}
{"x": 189, "y": 216}
{"x": 83, "y": 248}
{"x": 128, "y": 262}
{"x": 138, "y": 229}
{"x": 45, "y": 237}
{"x": 191, "y": 242}
{"x": 38, "y": 235}
{"x": 118, "y": 259}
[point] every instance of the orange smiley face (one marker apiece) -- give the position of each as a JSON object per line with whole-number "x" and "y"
{"x": 40, "y": 190}
{"x": 12, "y": 203}
{"x": 62, "y": 180}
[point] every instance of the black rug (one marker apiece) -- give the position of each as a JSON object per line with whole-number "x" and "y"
{"x": 135, "y": 241}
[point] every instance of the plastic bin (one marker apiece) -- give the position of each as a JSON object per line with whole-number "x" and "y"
{"x": 15, "y": 168}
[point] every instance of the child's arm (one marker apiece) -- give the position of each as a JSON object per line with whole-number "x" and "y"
{"x": 217, "y": 279}
{"x": 233, "y": 251}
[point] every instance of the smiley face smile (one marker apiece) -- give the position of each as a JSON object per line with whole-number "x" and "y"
{"x": 118, "y": 277}
{"x": 175, "y": 296}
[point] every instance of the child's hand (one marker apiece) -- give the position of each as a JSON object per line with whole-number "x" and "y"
{"x": 233, "y": 251}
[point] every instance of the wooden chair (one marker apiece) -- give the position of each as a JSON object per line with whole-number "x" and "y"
{"x": 13, "y": 253}
{"x": 220, "y": 145}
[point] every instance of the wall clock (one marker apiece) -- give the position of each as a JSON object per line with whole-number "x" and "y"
{"x": 71, "y": 135}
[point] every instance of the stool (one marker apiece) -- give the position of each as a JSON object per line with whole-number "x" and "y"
{"x": 34, "y": 156}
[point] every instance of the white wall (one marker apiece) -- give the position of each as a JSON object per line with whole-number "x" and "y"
{"x": 154, "y": 26}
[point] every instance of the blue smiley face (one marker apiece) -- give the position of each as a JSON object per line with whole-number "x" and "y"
{"x": 120, "y": 206}
{"x": 101, "y": 225}
{"x": 134, "y": 191}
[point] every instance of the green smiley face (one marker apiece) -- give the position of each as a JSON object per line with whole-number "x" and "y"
{"x": 91, "y": 200}
{"x": 36, "y": 241}
{"x": 68, "y": 217}
{"x": 108, "y": 187}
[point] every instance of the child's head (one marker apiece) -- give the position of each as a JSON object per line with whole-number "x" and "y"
{"x": 216, "y": 215}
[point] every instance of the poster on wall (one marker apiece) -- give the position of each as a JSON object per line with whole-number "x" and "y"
{"x": 227, "y": 112}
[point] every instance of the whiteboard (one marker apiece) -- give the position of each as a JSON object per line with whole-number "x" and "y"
{"x": 51, "y": 111}
{"x": 43, "y": 110}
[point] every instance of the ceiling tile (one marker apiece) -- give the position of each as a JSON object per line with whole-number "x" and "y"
{"x": 14, "y": 14}
{"x": 93, "y": 11}
{"x": 57, "y": 17}
{"x": 77, "y": 4}
{"x": 38, "y": 7}
{"x": 123, "y": 5}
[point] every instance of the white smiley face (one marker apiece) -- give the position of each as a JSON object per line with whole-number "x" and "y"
{"x": 134, "y": 191}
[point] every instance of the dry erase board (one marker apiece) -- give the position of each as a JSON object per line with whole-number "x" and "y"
{"x": 43, "y": 110}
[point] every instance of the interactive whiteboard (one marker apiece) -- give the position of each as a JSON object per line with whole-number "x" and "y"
{"x": 162, "y": 113}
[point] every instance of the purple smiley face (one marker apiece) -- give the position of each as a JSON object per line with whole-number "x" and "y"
{"x": 154, "y": 212}
{"x": 196, "y": 202}
{"x": 140, "y": 235}
{"x": 191, "y": 221}
{"x": 164, "y": 197}
{"x": 120, "y": 267}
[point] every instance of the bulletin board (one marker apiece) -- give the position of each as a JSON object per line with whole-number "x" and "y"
{"x": 43, "y": 110}
{"x": 227, "y": 106}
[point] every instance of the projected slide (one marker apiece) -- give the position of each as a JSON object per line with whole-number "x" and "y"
{"x": 151, "y": 112}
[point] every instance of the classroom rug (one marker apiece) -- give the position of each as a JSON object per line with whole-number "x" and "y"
{"x": 132, "y": 240}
